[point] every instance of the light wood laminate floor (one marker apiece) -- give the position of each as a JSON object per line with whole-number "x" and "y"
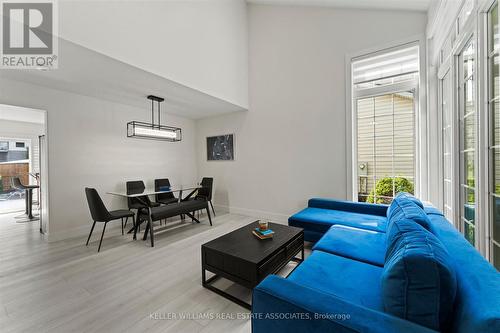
{"x": 127, "y": 287}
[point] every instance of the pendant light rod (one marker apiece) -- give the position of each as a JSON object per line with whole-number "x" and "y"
{"x": 159, "y": 100}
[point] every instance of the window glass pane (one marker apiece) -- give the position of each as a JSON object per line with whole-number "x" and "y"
{"x": 468, "y": 61}
{"x": 447, "y": 166}
{"x": 494, "y": 28}
{"x": 404, "y": 166}
{"x": 405, "y": 123}
{"x": 494, "y": 81}
{"x": 496, "y": 256}
{"x": 365, "y": 149}
{"x": 468, "y": 140}
{"x": 447, "y": 140}
{"x": 470, "y": 200}
{"x": 469, "y": 233}
{"x": 383, "y": 148}
{"x": 379, "y": 148}
{"x": 383, "y": 105}
{"x": 495, "y": 122}
{"x": 403, "y": 144}
{"x": 469, "y": 96}
{"x": 470, "y": 131}
{"x": 365, "y": 127}
{"x": 496, "y": 219}
{"x": 384, "y": 125}
{"x": 495, "y": 165}
{"x": 447, "y": 194}
{"x": 383, "y": 167}
{"x": 469, "y": 169}
{"x": 385, "y": 189}
{"x": 365, "y": 108}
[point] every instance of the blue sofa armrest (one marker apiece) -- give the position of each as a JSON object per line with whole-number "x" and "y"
{"x": 349, "y": 206}
{"x": 280, "y": 305}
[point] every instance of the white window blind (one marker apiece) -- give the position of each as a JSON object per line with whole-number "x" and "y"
{"x": 390, "y": 64}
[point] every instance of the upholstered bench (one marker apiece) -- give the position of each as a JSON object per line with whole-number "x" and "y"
{"x": 180, "y": 208}
{"x": 171, "y": 210}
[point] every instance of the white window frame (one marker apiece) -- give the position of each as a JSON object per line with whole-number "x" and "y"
{"x": 421, "y": 166}
{"x": 486, "y": 245}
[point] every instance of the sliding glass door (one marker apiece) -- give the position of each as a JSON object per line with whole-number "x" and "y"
{"x": 468, "y": 140}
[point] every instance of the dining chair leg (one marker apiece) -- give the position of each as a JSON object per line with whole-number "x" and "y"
{"x": 93, "y": 225}
{"x": 122, "y": 226}
{"x": 213, "y": 210}
{"x": 146, "y": 231}
{"x": 209, "y": 217}
{"x": 137, "y": 224}
{"x": 100, "y": 242}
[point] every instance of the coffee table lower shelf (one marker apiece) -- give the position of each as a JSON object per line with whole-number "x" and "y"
{"x": 208, "y": 283}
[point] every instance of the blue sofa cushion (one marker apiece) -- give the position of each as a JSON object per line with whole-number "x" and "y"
{"x": 418, "y": 280}
{"x": 403, "y": 196}
{"x": 431, "y": 210}
{"x": 402, "y": 208}
{"x": 320, "y": 220}
{"x": 358, "y": 244}
{"x": 354, "y": 281}
{"x": 348, "y": 206}
{"x": 477, "y": 305}
{"x": 395, "y": 234}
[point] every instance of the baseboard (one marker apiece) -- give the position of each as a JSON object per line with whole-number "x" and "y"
{"x": 259, "y": 214}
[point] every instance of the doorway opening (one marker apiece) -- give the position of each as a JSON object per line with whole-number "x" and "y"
{"x": 23, "y": 166}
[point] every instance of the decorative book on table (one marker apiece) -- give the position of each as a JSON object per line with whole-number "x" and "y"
{"x": 263, "y": 234}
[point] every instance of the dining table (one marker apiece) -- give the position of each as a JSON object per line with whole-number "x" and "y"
{"x": 148, "y": 191}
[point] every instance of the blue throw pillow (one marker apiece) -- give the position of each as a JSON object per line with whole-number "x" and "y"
{"x": 418, "y": 280}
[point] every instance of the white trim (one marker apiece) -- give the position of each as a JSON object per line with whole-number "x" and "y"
{"x": 482, "y": 128}
{"x": 390, "y": 88}
{"x": 44, "y": 170}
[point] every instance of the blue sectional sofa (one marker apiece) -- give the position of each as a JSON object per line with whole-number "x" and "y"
{"x": 379, "y": 268}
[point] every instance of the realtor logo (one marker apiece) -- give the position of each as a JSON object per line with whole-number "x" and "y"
{"x": 28, "y": 34}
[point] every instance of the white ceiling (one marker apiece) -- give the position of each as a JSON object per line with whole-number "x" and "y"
{"x": 90, "y": 73}
{"x": 417, "y": 5}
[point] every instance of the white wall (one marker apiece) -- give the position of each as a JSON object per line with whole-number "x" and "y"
{"x": 87, "y": 146}
{"x": 291, "y": 145}
{"x": 202, "y": 44}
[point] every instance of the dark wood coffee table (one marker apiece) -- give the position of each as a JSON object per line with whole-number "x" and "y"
{"x": 241, "y": 257}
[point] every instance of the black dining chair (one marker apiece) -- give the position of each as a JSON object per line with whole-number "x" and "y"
{"x": 100, "y": 213}
{"x": 205, "y": 192}
{"x": 164, "y": 198}
{"x": 139, "y": 203}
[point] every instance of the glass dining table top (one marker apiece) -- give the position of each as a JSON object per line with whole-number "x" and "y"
{"x": 153, "y": 191}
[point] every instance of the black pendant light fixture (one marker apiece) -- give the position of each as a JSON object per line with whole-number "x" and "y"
{"x": 142, "y": 130}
